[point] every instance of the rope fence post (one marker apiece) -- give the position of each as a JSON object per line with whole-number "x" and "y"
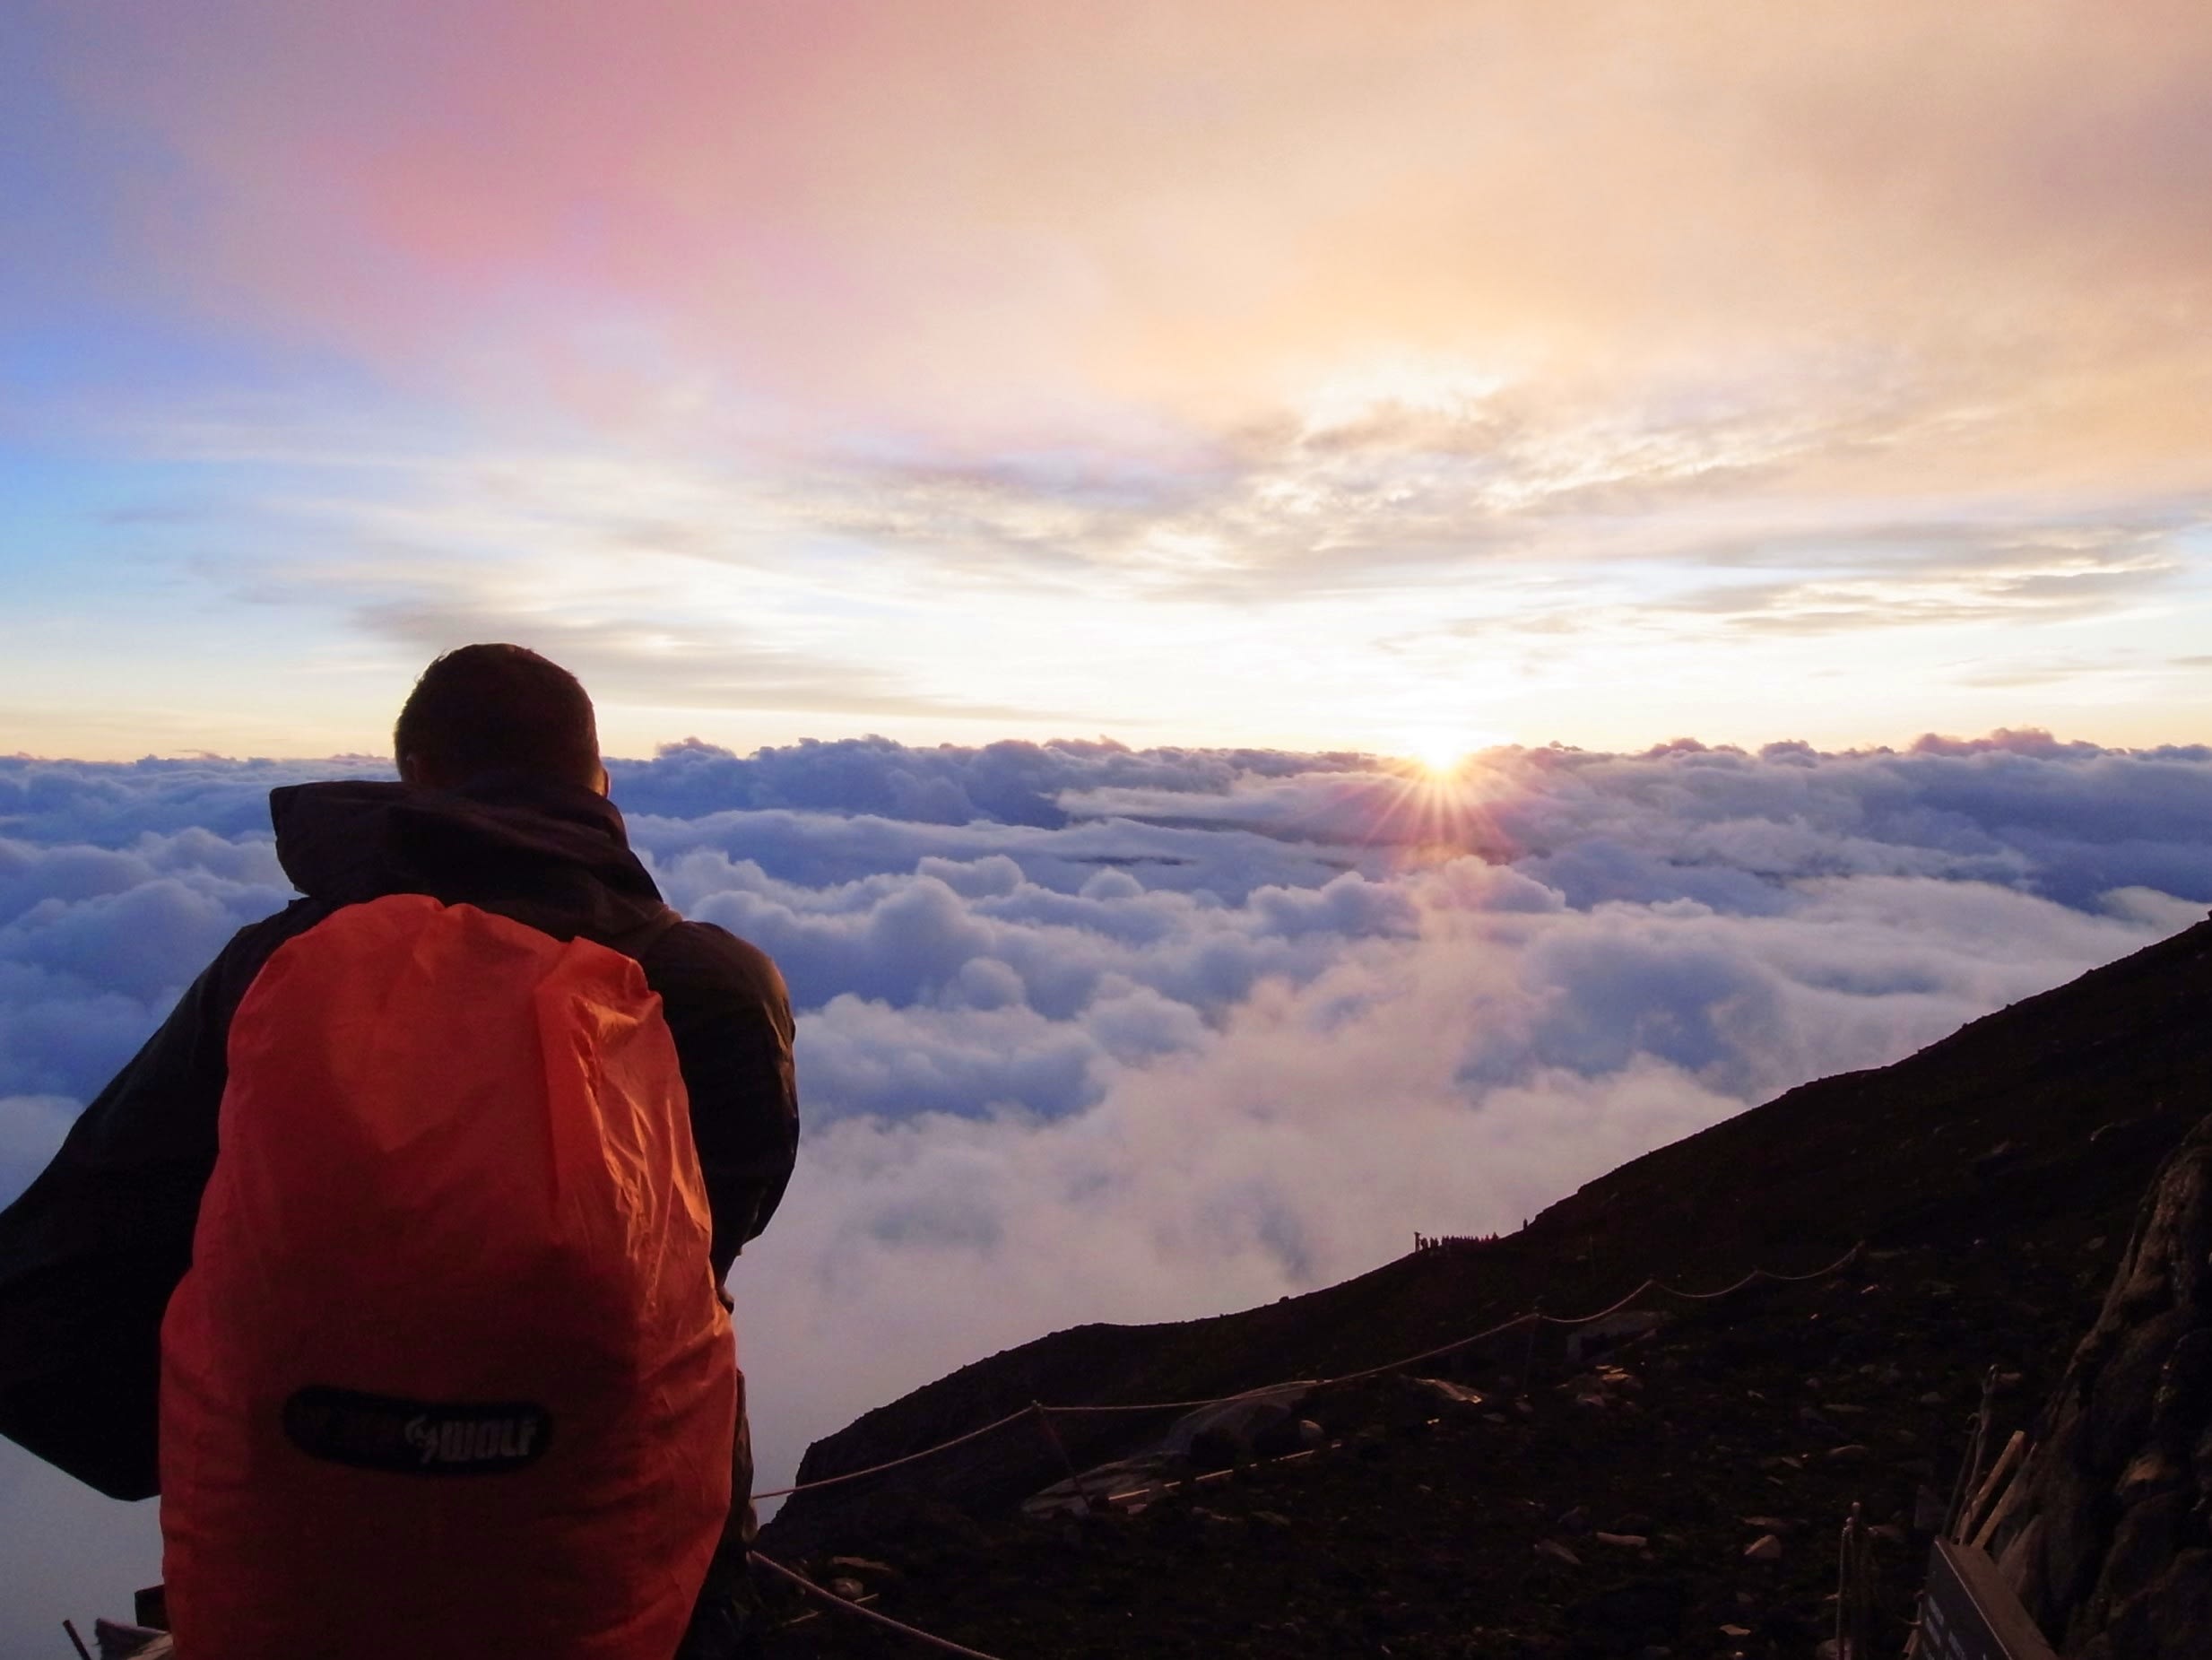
{"x": 1855, "y": 1589}
{"x": 1075, "y": 1476}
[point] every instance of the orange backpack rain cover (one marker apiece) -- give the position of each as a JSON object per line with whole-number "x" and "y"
{"x": 449, "y": 1373}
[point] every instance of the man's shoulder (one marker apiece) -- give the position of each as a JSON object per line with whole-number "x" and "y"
{"x": 251, "y": 947}
{"x": 701, "y": 960}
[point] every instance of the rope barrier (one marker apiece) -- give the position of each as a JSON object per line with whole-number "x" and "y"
{"x": 1531, "y": 1320}
{"x": 855, "y": 1475}
{"x": 1536, "y": 1318}
{"x": 946, "y": 1643}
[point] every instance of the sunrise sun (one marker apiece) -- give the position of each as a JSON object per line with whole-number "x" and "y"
{"x": 1441, "y": 756}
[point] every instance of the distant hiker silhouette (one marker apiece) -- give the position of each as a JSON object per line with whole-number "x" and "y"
{"x": 431, "y": 1357}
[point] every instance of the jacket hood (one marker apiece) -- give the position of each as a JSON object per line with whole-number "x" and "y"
{"x": 554, "y": 856}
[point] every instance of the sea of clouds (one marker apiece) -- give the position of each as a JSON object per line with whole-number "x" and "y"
{"x": 1091, "y": 1033}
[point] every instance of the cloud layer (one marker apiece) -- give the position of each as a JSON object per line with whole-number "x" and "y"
{"x": 1094, "y": 1033}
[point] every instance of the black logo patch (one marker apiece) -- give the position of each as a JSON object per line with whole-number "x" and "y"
{"x": 416, "y": 1438}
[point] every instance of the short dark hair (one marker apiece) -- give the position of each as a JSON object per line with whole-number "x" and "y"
{"x": 498, "y": 708}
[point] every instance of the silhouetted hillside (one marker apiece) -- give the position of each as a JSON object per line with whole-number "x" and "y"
{"x": 1992, "y": 1177}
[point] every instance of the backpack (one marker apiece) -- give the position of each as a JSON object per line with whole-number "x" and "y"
{"x": 449, "y": 1373}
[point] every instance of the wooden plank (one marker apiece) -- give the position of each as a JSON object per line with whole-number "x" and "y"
{"x": 1998, "y": 1472}
{"x": 2015, "y": 1491}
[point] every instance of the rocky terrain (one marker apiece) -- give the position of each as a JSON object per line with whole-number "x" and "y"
{"x": 2105, "y": 1537}
{"x": 1680, "y": 1494}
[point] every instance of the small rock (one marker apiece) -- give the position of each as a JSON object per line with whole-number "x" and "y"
{"x": 1994, "y": 1159}
{"x": 2096, "y": 1243}
{"x": 1934, "y": 1397}
{"x": 1812, "y": 1419}
{"x": 1558, "y": 1552}
{"x": 1766, "y": 1548}
{"x": 2152, "y": 1472}
{"x": 849, "y": 1590}
{"x": 1625, "y": 1541}
{"x": 1735, "y": 1631}
{"x": 1853, "y": 1452}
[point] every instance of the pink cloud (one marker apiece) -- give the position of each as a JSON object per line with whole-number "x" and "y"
{"x": 970, "y": 213}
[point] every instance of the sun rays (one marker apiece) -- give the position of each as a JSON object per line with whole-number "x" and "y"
{"x": 1436, "y": 804}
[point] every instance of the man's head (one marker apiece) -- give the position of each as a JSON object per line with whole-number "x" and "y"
{"x": 497, "y": 708}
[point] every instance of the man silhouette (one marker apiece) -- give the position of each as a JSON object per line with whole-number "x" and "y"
{"x": 501, "y": 804}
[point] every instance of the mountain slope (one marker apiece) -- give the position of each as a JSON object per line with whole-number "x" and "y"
{"x": 1983, "y": 1167}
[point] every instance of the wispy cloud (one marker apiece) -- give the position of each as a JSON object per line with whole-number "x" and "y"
{"x": 944, "y": 368}
{"x": 648, "y": 659}
{"x": 2032, "y": 585}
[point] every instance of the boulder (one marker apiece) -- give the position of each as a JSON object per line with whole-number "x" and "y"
{"x": 1231, "y": 1431}
{"x": 2104, "y": 1536}
{"x": 1145, "y": 1473}
{"x": 1456, "y": 1394}
{"x": 1610, "y": 1331}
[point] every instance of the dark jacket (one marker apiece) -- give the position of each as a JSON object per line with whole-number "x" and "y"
{"x": 91, "y": 1250}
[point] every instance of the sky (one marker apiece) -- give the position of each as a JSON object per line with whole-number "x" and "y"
{"x": 1408, "y": 378}
{"x": 1015, "y": 476}
{"x": 1089, "y": 1033}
